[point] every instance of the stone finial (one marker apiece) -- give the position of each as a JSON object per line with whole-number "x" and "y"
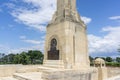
{"x": 66, "y": 11}
{"x": 99, "y": 62}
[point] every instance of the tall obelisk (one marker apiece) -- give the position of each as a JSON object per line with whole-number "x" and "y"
{"x": 66, "y": 38}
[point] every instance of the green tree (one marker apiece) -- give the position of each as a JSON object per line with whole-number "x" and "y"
{"x": 109, "y": 59}
{"x": 0, "y": 58}
{"x": 0, "y": 55}
{"x": 4, "y": 59}
{"x": 16, "y": 59}
{"x": 91, "y": 59}
{"x": 30, "y": 57}
{"x": 24, "y": 58}
{"x": 97, "y": 57}
{"x": 10, "y": 58}
{"x": 119, "y": 49}
{"x": 118, "y": 59}
{"x": 103, "y": 58}
{"x": 35, "y": 55}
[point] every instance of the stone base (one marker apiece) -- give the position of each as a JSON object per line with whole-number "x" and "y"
{"x": 70, "y": 75}
{"x": 54, "y": 63}
{"x": 50, "y": 73}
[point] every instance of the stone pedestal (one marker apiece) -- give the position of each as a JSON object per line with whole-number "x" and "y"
{"x": 102, "y": 73}
{"x": 54, "y": 64}
{"x": 70, "y": 75}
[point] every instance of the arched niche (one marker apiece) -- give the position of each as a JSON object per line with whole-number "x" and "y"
{"x": 53, "y": 53}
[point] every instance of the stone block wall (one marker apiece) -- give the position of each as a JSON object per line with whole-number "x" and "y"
{"x": 9, "y": 70}
{"x": 70, "y": 75}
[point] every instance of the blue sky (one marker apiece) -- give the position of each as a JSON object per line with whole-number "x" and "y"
{"x": 23, "y": 23}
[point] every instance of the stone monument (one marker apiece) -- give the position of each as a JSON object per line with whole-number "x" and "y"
{"x": 66, "y": 38}
{"x": 66, "y": 52}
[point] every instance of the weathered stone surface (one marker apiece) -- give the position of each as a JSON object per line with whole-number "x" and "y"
{"x": 8, "y": 78}
{"x": 66, "y": 51}
{"x": 9, "y": 70}
{"x": 114, "y": 78}
{"x": 68, "y": 33}
{"x": 72, "y": 45}
{"x": 66, "y": 10}
{"x": 56, "y": 73}
{"x": 28, "y": 76}
{"x": 69, "y": 75}
{"x": 112, "y": 71}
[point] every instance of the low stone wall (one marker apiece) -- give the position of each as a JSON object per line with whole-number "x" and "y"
{"x": 113, "y": 71}
{"x": 9, "y": 70}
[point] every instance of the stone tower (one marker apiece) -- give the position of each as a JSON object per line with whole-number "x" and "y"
{"x": 66, "y": 39}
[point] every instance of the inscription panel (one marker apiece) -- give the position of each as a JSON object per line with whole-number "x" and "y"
{"x": 53, "y": 54}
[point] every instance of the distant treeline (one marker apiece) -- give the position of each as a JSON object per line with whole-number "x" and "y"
{"x": 36, "y": 57}
{"x": 30, "y": 57}
{"x": 111, "y": 62}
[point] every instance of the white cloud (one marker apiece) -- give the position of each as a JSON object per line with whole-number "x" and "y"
{"x": 7, "y": 50}
{"x": 37, "y": 17}
{"x": 32, "y": 41}
{"x": 4, "y": 48}
{"x": 37, "y": 45}
{"x": 115, "y": 18}
{"x": 43, "y": 37}
{"x": 19, "y": 50}
{"x": 22, "y": 37}
{"x": 106, "y": 44}
{"x": 86, "y": 19}
{"x": 9, "y": 5}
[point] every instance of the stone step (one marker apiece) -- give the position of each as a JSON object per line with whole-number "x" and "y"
{"x": 54, "y": 64}
{"x": 47, "y": 69}
{"x": 8, "y": 78}
{"x": 28, "y": 76}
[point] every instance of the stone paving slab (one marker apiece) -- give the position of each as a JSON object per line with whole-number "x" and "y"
{"x": 28, "y": 76}
{"x": 8, "y": 78}
{"x": 114, "y": 78}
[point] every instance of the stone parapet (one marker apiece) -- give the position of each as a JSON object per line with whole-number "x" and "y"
{"x": 9, "y": 70}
